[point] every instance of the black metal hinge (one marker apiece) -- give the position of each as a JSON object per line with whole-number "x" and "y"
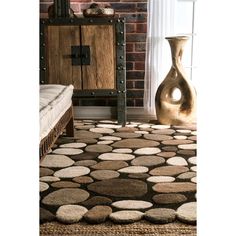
{"x": 80, "y": 55}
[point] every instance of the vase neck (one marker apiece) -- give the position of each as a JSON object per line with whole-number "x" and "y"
{"x": 177, "y": 46}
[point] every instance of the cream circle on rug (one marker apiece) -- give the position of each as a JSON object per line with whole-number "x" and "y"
{"x": 131, "y": 125}
{"x": 177, "y": 161}
{"x": 122, "y": 150}
{"x": 160, "y": 179}
{"x": 70, "y": 213}
{"x": 126, "y": 216}
{"x": 147, "y": 151}
{"x": 194, "y": 132}
{"x": 71, "y": 172}
{"x": 194, "y": 168}
{"x": 49, "y": 179}
{"x": 180, "y": 137}
{"x": 115, "y": 157}
{"x": 109, "y": 126}
{"x": 108, "y": 121}
{"x": 102, "y": 130}
{"x": 132, "y": 204}
{"x": 43, "y": 186}
{"x": 110, "y": 138}
{"x": 188, "y": 146}
{"x": 141, "y": 132}
{"x": 134, "y": 169}
{"x": 187, "y": 212}
{"x": 192, "y": 160}
{"x": 144, "y": 126}
{"x": 105, "y": 142}
{"x": 68, "y": 151}
{"x": 73, "y": 145}
{"x": 56, "y": 161}
{"x": 160, "y": 126}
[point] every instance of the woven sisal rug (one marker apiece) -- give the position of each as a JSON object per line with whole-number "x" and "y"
{"x": 108, "y": 229}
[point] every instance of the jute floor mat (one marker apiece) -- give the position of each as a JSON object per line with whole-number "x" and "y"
{"x": 108, "y": 229}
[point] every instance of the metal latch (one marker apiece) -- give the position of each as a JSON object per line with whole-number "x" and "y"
{"x": 80, "y": 55}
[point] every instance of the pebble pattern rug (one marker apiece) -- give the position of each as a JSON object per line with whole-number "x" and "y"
{"x": 109, "y": 173}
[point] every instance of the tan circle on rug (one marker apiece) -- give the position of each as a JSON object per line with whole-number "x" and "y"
{"x": 70, "y": 213}
{"x": 85, "y": 163}
{"x": 84, "y": 134}
{"x": 192, "y": 160}
{"x": 67, "y": 151}
{"x": 134, "y": 143}
{"x": 73, "y": 145}
{"x": 56, "y": 161}
{"x": 116, "y": 157}
{"x": 98, "y": 214}
{"x": 104, "y": 174}
{"x": 174, "y": 187}
{"x": 43, "y": 186}
{"x": 102, "y": 130}
{"x": 166, "y": 154}
{"x": 147, "y": 161}
{"x": 187, "y": 175}
{"x": 134, "y": 169}
{"x": 132, "y": 204}
{"x": 126, "y": 216}
{"x": 65, "y": 184}
{"x": 187, "y": 212}
{"x": 160, "y": 215}
{"x": 49, "y": 179}
{"x": 127, "y": 135}
{"x": 100, "y": 148}
{"x": 163, "y": 131}
{"x": 106, "y": 142}
{"x": 194, "y": 168}
{"x": 65, "y": 196}
{"x": 71, "y": 172}
{"x": 157, "y": 137}
{"x": 169, "y": 170}
{"x": 176, "y": 142}
{"x": 83, "y": 179}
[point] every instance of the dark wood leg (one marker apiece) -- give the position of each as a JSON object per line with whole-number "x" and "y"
{"x": 70, "y": 128}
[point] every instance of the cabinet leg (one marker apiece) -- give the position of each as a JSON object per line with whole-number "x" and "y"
{"x": 121, "y": 109}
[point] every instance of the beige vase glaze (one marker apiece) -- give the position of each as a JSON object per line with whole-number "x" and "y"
{"x": 170, "y": 109}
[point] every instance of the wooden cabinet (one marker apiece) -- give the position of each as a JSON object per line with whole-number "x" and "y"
{"x": 88, "y": 53}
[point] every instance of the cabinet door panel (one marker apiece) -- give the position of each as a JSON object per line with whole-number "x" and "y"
{"x": 100, "y": 74}
{"x": 59, "y": 42}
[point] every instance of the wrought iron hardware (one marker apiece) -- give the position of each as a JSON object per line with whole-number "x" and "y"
{"x": 80, "y": 55}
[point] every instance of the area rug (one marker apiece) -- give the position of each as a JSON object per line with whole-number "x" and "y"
{"x": 143, "y": 172}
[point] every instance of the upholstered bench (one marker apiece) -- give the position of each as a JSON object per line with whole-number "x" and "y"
{"x": 56, "y": 114}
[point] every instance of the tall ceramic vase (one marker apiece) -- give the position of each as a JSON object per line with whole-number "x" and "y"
{"x": 176, "y": 97}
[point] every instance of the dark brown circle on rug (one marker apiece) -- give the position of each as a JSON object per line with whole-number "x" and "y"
{"x": 138, "y": 175}
{"x": 85, "y": 156}
{"x": 169, "y": 170}
{"x": 97, "y": 200}
{"x": 98, "y": 214}
{"x": 170, "y": 148}
{"x": 127, "y": 135}
{"x": 160, "y": 215}
{"x": 135, "y": 143}
{"x": 148, "y": 161}
{"x": 45, "y": 172}
{"x": 65, "y": 196}
{"x": 82, "y": 134}
{"x": 110, "y": 165}
{"x": 83, "y": 179}
{"x": 186, "y": 152}
{"x": 46, "y": 216}
{"x": 169, "y": 198}
{"x": 100, "y": 148}
{"x": 174, "y": 187}
{"x": 119, "y": 187}
{"x": 65, "y": 184}
{"x": 157, "y": 137}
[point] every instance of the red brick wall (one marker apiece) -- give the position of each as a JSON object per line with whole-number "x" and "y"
{"x": 135, "y": 12}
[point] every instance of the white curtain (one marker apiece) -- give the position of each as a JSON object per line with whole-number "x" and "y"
{"x": 158, "y": 56}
